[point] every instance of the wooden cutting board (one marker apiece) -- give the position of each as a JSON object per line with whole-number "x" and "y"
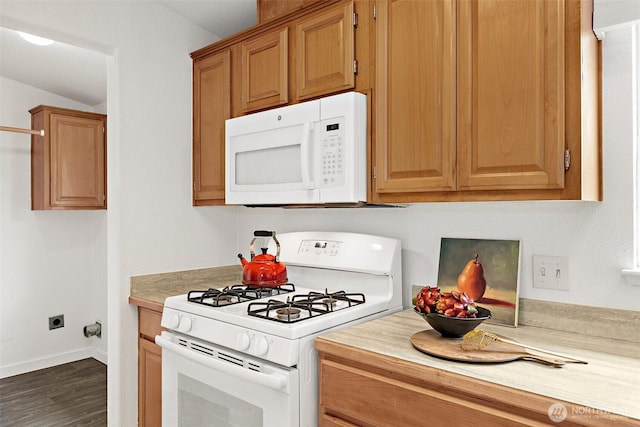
{"x": 432, "y": 343}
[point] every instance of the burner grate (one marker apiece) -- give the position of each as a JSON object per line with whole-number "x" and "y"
{"x": 305, "y": 306}
{"x": 331, "y": 299}
{"x": 235, "y": 294}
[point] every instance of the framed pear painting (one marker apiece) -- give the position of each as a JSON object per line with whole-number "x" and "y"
{"x": 486, "y": 270}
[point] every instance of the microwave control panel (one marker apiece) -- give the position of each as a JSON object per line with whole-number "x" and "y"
{"x": 332, "y": 153}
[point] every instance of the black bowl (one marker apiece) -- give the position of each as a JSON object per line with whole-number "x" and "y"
{"x": 455, "y": 327}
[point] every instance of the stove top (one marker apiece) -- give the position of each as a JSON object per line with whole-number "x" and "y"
{"x": 335, "y": 279}
{"x": 297, "y": 307}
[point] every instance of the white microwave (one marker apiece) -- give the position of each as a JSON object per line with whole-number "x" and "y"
{"x": 308, "y": 153}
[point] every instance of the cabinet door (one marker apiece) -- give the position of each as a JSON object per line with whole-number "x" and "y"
{"x": 415, "y": 110}
{"x": 149, "y": 383}
{"x": 77, "y": 161}
{"x": 265, "y": 71}
{"x": 211, "y": 107}
{"x": 325, "y": 52}
{"x": 510, "y": 94}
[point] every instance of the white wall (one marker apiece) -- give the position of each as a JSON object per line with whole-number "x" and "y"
{"x": 152, "y": 227}
{"x": 47, "y": 259}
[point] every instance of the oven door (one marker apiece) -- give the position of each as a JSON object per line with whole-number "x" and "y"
{"x": 203, "y": 384}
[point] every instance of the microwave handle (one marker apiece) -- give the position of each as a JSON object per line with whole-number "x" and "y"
{"x": 305, "y": 158}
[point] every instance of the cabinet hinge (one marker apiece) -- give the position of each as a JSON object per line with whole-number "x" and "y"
{"x": 375, "y": 173}
{"x": 355, "y": 20}
{"x": 355, "y": 66}
{"x": 374, "y": 11}
{"x": 567, "y": 159}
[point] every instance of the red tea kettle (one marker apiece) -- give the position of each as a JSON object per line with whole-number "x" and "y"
{"x": 264, "y": 270}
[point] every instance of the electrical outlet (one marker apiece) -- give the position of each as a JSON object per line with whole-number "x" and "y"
{"x": 56, "y": 322}
{"x": 551, "y": 272}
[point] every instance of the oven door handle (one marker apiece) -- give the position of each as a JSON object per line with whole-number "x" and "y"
{"x": 274, "y": 381}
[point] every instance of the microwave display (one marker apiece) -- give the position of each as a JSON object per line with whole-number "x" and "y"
{"x": 334, "y": 126}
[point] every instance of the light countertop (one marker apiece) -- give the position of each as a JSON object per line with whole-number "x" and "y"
{"x": 151, "y": 290}
{"x": 609, "y": 382}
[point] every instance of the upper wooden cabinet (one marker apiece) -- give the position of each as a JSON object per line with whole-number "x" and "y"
{"x": 211, "y": 107}
{"x": 511, "y": 95}
{"x": 68, "y": 164}
{"x": 270, "y": 9}
{"x": 469, "y": 100}
{"x": 265, "y": 70}
{"x": 325, "y": 52}
{"x": 415, "y": 97}
{"x": 308, "y": 52}
{"x": 486, "y": 100}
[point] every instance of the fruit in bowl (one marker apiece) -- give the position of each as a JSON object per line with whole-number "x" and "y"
{"x": 453, "y": 314}
{"x": 455, "y": 327}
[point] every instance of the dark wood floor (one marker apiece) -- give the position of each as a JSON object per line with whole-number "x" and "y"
{"x": 73, "y": 394}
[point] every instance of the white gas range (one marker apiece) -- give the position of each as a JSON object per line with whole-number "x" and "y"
{"x": 244, "y": 356}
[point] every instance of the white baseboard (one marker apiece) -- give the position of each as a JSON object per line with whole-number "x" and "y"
{"x": 100, "y": 355}
{"x": 49, "y": 361}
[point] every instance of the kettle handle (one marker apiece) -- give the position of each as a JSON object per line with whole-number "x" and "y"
{"x": 265, "y": 233}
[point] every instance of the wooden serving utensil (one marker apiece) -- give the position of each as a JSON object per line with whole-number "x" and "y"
{"x": 525, "y": 355}
{"x": 479, "y": 339}
{"x": 432, "y": 343}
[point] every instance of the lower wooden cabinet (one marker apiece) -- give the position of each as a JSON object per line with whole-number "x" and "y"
{"x": 364, "y": 397}
{"x": 149, "y": 368}
{"x": 362, "y": 388}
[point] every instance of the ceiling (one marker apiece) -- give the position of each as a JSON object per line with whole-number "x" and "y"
{"x": 81, "y": 75}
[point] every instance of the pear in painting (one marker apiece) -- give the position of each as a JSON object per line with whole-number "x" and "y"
{"x": 471, "y": 280}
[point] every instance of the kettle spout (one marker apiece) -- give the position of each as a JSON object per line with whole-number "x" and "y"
{"x": 243, "y": 260}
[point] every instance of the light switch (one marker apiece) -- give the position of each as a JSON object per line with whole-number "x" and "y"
{"x": 551, "y": 272}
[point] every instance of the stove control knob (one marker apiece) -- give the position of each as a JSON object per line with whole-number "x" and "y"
{"x": 244, "y": 341}
{"x": 185, "y": 324}
{"x": 262, "y": 346}
{"x": 173, "y": 321}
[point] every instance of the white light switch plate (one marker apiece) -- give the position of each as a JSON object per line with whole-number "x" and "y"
{"x": 551, "y": 272}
